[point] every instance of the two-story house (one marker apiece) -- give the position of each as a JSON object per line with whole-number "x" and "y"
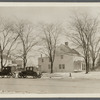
{"x": 66, "y": 60}
{"x": 6, "y": 61}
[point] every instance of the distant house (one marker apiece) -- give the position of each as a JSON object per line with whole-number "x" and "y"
{"x": 6, "y": 60}
{"x": 66, "y": 60}
{"x": 19, "y": 63}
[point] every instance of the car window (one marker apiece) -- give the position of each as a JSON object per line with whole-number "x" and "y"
{"x": 27, "y": 68}
{"x": 30, "y": 68}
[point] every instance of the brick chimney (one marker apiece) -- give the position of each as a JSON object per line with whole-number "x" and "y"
{"x": 41, "y": 55}
{"x": 66, "y": 43}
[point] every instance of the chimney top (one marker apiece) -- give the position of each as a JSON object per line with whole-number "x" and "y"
{"x": 66, "y": 43}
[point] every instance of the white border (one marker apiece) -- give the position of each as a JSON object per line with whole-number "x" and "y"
{"x": 50, "y": 4}
{"x": 50, "y": 95}
{"x": 46, "y": 4}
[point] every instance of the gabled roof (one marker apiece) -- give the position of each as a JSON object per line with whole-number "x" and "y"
{"x": 74, "y": 51}
{"x": 66, "y": 50}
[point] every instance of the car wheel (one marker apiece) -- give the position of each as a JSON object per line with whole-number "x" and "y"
{"x": 24, "y": 76}
{"x": 8, "y": 76}
{"x": 19, "y": 76}
{"x": 34, "y": 77}
{"x": 13, "y": 76}
{"x": 2, "y": 76}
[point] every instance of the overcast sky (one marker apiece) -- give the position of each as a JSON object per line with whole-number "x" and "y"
{"x": 45, "y": 14}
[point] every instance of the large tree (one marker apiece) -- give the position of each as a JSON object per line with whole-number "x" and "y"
{"x": 50, "y": 37}
{"x": 82, "y": 28}
{"x": 27, "y": 39}
{"x": 7, "y": 40}
{"x": 94, "y": 41}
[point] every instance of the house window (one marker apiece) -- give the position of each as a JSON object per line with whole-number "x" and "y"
{"x": 63, "y": 66}
{"x": 42, "y": 60}
{"x": 59, "y": 66}
{"x": 49, "y": 67}
{"x": 61, "y": 56}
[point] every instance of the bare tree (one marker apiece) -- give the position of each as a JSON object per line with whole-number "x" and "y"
{"x": 27, "y": 39}
{"x": 7, "y": 40}
{"x": 50, "y": 37}
{"x": 94, "y": 41}
{"x": 94, "y": 53}
{"x": 82, "y": 28}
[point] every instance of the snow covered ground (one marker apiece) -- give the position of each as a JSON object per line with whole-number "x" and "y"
{"x": 90, "y": 75}
{"x": 52, "y": 83}
{"x": 12, "y": 92}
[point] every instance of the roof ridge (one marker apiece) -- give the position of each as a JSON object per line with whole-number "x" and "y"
{"x": 64, "y": 49}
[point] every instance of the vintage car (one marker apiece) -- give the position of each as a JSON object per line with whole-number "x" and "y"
{"x": 29, "y": 71}
{"x": 6, "y": 71}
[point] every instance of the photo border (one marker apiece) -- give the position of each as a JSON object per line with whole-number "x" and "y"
{"x": 74, "y": 97}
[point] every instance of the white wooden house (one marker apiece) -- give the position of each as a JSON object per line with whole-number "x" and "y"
{"x": 66, "y": 60}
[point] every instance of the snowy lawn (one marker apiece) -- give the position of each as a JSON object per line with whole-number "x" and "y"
{"x": 90, "y": 75}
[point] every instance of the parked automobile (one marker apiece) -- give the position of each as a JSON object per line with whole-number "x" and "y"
{"x": 6, "y": 71}
{"x": 29, "y": 71}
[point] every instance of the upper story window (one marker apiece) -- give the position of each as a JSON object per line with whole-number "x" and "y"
{"x": 63, "y": 66}
{"x": 59, "y": 66}
{"x": 42, "y": 60}
{"x": 61, "y": 56}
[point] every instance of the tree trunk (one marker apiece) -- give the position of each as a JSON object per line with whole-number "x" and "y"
{"x": 87, "y": 66}
{"x": 93, "y": 64}
{"x": 1, "y": 61}
{"x": 1, "y": 57}
{"x": 24, "y": 62}
{"x": 51, "y": 67}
